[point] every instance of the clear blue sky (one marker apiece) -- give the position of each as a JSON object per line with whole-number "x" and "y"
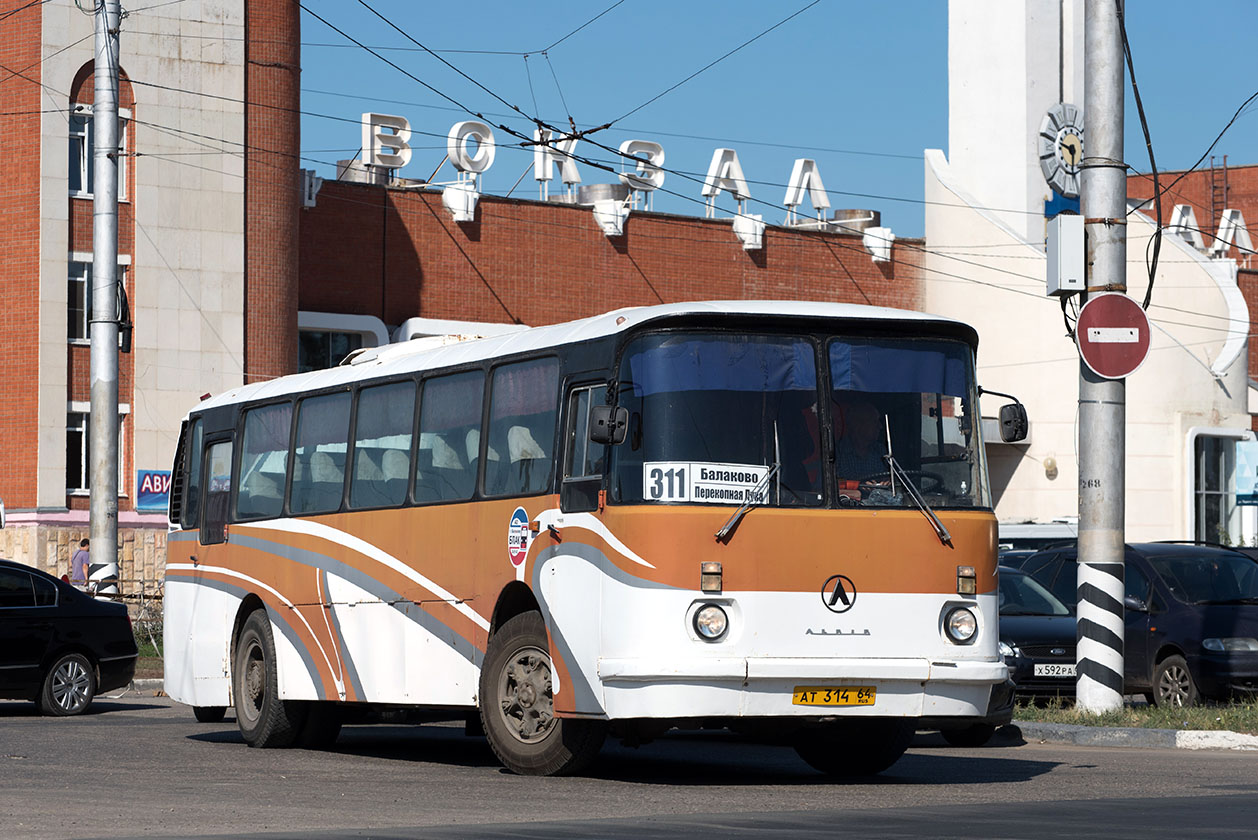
{"x": 860, "y": 87}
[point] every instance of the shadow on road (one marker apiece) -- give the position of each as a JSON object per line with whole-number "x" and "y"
{"x": 680, "y": 759}
{"x": 20, "y": 709}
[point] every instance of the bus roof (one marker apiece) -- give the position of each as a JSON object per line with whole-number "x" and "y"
{"x": 427, "y": 353}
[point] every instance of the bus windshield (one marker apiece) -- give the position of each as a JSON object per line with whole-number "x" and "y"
{"x": 713, "y": 414}
{"x": 913, "y": 399}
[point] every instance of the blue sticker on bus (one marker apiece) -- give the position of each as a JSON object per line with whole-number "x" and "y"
{"x": 518, "y": 536}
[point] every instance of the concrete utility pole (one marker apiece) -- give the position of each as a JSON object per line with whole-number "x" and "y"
{"x": 1102, "y": 402}
{"x": 103, "y": 434}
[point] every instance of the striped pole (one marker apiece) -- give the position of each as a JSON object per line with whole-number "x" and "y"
{"x": 1099, "y": 655}
{"x": 1102, "y": 402}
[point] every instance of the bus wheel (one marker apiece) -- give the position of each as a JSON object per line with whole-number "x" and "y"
{"x": 321, "y": 727}
{"x": 264, "y": 719}
{"x": 857, "y": 747}
{"x": 974, "y": 735}
{"x": 517, "y": 707}
{"x": 209, "y": 714}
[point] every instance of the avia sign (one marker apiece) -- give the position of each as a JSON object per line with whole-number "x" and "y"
{"x": 470, "y": 146}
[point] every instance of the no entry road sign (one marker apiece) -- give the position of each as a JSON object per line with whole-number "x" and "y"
{"x": 1113, "y": 335}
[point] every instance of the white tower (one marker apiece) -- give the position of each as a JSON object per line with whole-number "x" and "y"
{"x": 1008, "y": 63}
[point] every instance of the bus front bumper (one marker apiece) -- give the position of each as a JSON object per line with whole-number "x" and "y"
{"x": 765, "y": 687}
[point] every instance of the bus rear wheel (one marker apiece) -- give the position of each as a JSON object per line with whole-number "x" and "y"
{"x": 857, "y": 747}
{"x": 209, "y": 714}
{"x": 517, "y": 706}
{"x": 264, "y": 719}
{"x": 321, "y": 727}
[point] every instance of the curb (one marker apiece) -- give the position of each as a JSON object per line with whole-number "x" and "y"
{"x": 1113, "y": 736}
{"x": 148, "y": 685}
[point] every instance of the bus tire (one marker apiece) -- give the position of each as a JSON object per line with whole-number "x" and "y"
{"x": 264, "y": 719}
{"x": 857, "y": 747}
{"x": 974, "y": 735}
{"x": 321, "y": 727}
{"x": 209, "y": 714}
{"x": 517, "y": 708}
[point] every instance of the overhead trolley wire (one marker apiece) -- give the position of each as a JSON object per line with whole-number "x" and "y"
{"x": 599, "y": 165}
{"x": 11, "y": 12}
{"x": 716, "y": 61}
{"x": 1148, "y": 143}
{"x": 603, "y": 166}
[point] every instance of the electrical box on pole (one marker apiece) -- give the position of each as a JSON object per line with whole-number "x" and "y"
{"x": 1066, "y": 264}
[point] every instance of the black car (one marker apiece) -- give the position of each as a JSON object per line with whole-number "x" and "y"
{"x": 1191, "y": 618}
{"x": 1014, "y": 557}
{"x": 1037, "y": 637}
{"x": 59, "y": 646}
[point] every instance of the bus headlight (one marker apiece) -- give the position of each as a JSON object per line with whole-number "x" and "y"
{"x": 961, "y": 626}
{"x": 711, "y": 622}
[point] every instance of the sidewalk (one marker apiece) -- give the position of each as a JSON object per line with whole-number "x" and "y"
{"x": 1114, "y": 736}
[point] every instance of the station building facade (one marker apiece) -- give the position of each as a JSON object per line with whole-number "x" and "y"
{"x": 239, "y": 266}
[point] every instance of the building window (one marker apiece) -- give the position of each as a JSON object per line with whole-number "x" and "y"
{"x": 324, "y": 339}
{"x": 1215, "y": 515}
{"x": 322, "y": 349}
{"x": 80, "y": 308}
{"x": 79, "y": 297}
{"x": 82, "y": 167}
{"x": 78, "y": 448}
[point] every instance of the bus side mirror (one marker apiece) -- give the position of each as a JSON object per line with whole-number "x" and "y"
{"x": 1013, "y": 423}
{"x": 608, "y": 424}
{"x": 1013, "y": 420}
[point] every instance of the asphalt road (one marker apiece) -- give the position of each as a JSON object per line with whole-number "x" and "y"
{"x": 142, "y": 766}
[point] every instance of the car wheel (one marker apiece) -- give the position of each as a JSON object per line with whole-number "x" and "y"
{"x": 975, "y": 735}
{"x": 264, "y": 719}
{"x": 855, "y": 748}
{"x": 517, "y": 707}
{"x": 69, "y": 686}
{"x": 209, "y": 714}
{"x": 1173, "y": 683}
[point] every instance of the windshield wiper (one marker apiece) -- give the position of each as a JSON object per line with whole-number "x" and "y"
{"x": 898, "y": 471}
{"x": 763, "y": 486}
{"x": 1244, "y": 600}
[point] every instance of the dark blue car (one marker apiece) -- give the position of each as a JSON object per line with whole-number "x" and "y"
{"x": 1191, "y": 618}
{"x": 1037, "y": 637}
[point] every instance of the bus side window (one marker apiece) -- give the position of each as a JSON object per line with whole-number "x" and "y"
{"x": 449, "y": 437}
{"x": 319, "y": 455}
{"x": 523, "y": 411}
{"x": 218, "y": 471}
{"x": 264, "y": 462}
{"x": 190, "y": 514}
{"x": 382, "y": 445}
{"x": 583, "y": 460}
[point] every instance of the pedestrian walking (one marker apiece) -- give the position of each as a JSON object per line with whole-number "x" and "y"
{"x": 79, "y": 564}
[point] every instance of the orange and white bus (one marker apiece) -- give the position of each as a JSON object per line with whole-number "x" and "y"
{"x": 770, "y": 516}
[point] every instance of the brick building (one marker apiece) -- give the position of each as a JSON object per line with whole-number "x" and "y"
{"x": 236, "y": 267}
